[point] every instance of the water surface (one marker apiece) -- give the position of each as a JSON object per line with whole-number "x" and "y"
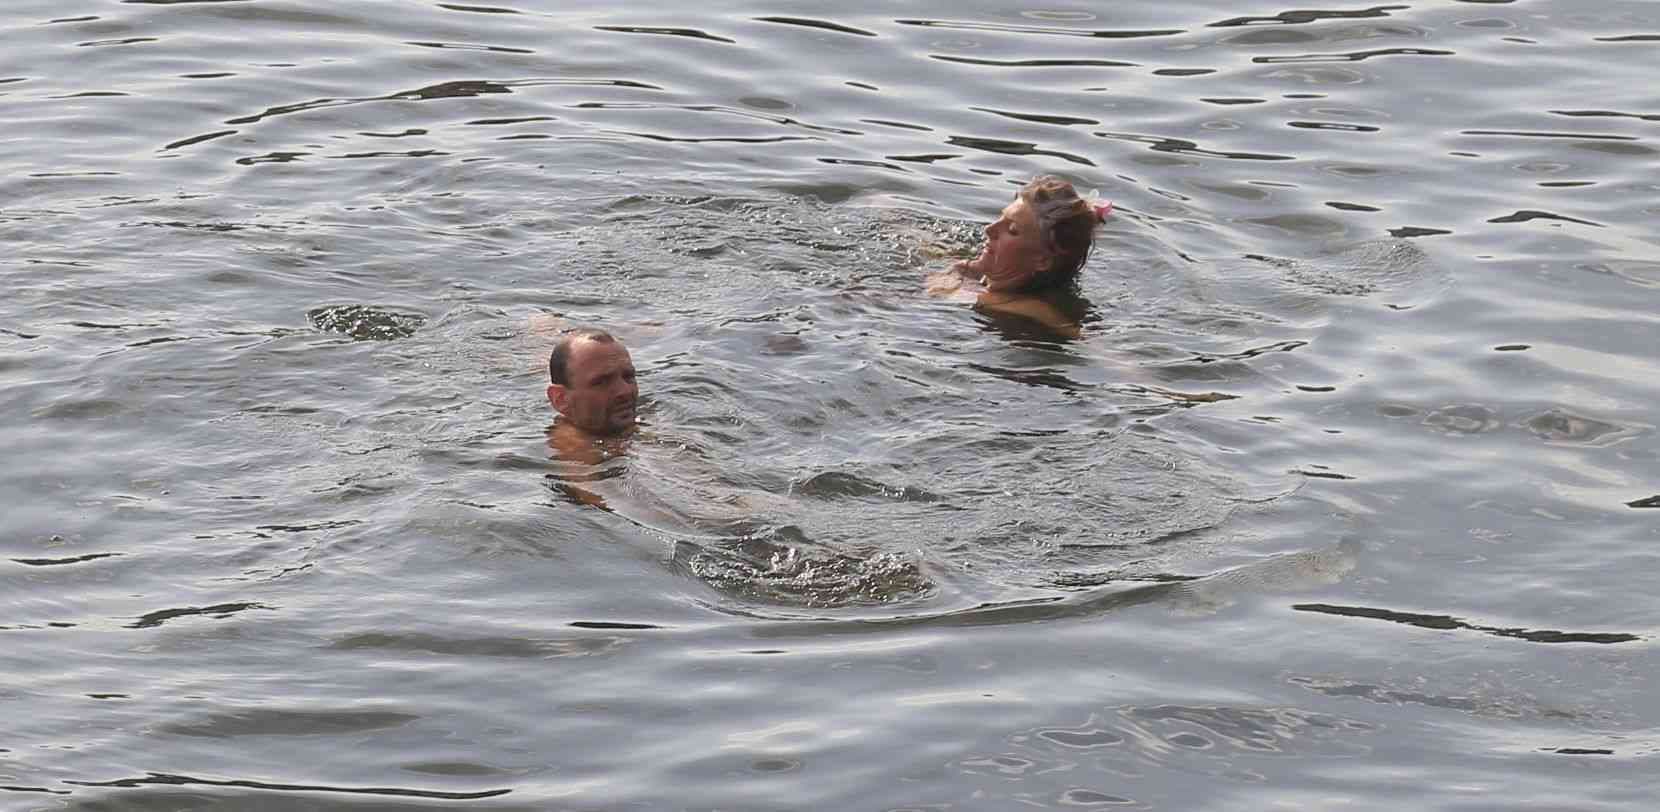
{"x": 281, "y": 530}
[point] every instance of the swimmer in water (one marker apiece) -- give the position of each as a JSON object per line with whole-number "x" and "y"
{"x": 1037, "y": 247}
{"x": 593, "y": 388}
{"x": 1033, "y": 254}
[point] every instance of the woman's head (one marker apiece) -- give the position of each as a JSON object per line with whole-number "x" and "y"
{"x": 1041, "y": 240}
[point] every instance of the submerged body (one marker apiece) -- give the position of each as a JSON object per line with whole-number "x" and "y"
{"x": 958, "y": 284}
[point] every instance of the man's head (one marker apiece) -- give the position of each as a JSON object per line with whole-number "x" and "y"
{"x": 592, "y": 382}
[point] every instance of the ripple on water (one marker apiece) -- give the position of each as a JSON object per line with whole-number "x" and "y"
{"x": 454, "y": 768}
{"x": 284, "y": 722}
{"x": 1447, "y": 622}
{"x": 457, "y": 646}
{"x": 1217, "y": 741}
{"x": 1475, "y": 697}
{"x": 848, "y": 444}
{"x": 365, "y": 322}
{"x": 1463, "y": 418}
{"x": 1638, "y": 272}
{"x": 1567, "y": 428}
{"x": 1556, "y": 425}
{"x": 1240, "y": 730}
{"x": 794, "y": 574}
{"x": 838, "y": 484}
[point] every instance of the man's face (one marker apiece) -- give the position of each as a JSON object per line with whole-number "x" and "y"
{"x": 600, "y": 393}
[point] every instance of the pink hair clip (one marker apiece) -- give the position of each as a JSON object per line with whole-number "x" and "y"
{"x": 1102, "y": 210}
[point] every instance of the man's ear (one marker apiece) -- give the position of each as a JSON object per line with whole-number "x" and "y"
{"x": 557, "y": 398}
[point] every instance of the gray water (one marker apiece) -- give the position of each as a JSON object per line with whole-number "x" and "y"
{"x": 281, "y": 530}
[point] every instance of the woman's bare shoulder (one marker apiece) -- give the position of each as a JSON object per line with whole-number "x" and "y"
{"x": 1029, "y": 307}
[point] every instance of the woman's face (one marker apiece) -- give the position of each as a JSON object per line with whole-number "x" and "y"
{"x": 1014, "y": 251}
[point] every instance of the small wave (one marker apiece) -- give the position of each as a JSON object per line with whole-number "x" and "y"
{"x": 365, "y": 322}
{"x": 768, "y": 571}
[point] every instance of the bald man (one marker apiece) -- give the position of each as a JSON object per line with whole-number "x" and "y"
{"x": 593, "y": 389}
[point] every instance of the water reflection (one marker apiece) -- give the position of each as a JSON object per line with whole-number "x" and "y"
{"x": 1305, "y": 17}
{"x": 175, "y": 780}
{"x": 1121, "y": 751}
{"x": 1182, "y": 146}
{"x": 821, "y": 25}
{"x": 692, "y": 33}
{"x": 202, "y": 453}
{"x": 1445, "y": 622}
{"x": 1040, "y": 30}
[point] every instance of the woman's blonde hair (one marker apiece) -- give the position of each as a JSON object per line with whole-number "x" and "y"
{"x": 1066, "y": 222}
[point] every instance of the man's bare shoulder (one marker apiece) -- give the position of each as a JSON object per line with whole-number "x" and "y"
{"x": 567, "y": 443}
